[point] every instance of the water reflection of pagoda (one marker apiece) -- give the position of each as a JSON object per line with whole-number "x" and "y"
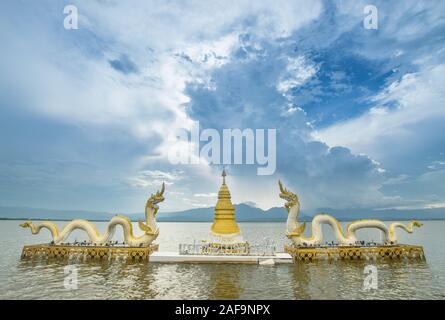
{"x": 225, "y": 235}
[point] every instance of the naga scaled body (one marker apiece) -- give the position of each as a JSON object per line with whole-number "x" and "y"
{"x": 151, "y": 230}
{"x": 295, "y": 230}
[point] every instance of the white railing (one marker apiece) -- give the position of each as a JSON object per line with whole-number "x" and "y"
{"x": 245, "y": 249}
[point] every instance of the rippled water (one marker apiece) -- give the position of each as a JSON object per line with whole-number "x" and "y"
{"x": 36, "y": 279}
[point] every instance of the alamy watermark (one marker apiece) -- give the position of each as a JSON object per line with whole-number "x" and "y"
{"x": 71, "y": 279}
{"x": 247, "y": 146}
{"x": 71, "y": 21}
{"x": 371, "y": 279}
{"x": 371, "y": 20}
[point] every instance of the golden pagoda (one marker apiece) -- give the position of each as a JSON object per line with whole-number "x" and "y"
{"x": 224, "y": 223}
{"x": 225, "y": 235}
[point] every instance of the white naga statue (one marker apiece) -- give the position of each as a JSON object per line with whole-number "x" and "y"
{"x": 295, "y": 230}
{"x": 151, "y": 230}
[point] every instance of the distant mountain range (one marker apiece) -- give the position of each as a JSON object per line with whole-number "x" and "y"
{"x": 244, "y": 212}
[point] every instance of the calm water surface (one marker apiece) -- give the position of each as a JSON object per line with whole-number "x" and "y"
{"x": 36, "y": 279}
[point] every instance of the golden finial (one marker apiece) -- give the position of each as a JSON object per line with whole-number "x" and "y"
{"x": 224, "y": 175}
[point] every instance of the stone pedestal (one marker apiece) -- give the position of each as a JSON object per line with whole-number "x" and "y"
{"x": 48, "y": 251}
{"x": 307, "y": 254}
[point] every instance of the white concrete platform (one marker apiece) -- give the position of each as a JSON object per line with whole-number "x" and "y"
{"x": 174, "y": 257}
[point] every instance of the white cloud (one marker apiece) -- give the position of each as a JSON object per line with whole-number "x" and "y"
{"x": 206, "y": 195}
{"x": 403, "y": 132}
{"x": 81, "y": 88}
{"x": 169, "y": 25}
{"x": 435, "y": 205}
{"x": 150, "y": 178}
{"x": 418, "y": 97}
{"x": 67, "y": 77}
{"x": 298, "y": 71}
{"x": 436, "y": 165}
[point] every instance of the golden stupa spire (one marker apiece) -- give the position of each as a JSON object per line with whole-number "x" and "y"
{"x": 224, "y": 222}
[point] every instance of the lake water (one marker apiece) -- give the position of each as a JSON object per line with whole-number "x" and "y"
{"x": 37, "y": 279}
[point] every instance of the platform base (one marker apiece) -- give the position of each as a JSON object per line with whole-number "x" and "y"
{"x": 88, "y": 252}
{"x": 305, "y": 254}
{"x": 174, "y": 257}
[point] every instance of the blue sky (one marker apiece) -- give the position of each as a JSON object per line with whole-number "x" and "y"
{"x": 85, "y": 114}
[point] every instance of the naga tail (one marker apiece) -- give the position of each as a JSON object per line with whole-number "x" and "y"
{"x": 413, "y": 224}
{"x": 408, "y": 228}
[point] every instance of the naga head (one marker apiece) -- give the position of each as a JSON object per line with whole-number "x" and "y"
{"x": 291, "y": 198}
{"x": 417, "y": 224}
{"x": 155, "y": 199}
{"x": 26, "y": 224}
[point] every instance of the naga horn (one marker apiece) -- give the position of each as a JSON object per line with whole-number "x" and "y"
{"x": 161, "y": 192}
{"x": 281, "y": 186}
